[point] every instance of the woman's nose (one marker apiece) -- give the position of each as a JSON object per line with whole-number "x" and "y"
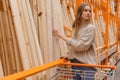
{"x": 88, "y": 13}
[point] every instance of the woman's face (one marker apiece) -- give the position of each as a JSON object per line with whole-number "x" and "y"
{"x": 86, "y": 14}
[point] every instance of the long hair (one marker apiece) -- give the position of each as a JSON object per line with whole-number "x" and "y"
{"x": 78, "y": 18}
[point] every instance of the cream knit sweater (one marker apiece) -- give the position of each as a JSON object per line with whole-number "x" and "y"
{"x": 81, "y": 47}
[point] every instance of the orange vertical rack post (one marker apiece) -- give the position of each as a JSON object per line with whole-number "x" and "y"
{"x": 107, "y": 22}
{"x": 78, "y": 2}
{"x": 117, "y": 25}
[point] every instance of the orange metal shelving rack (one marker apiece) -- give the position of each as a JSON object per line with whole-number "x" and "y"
{"x": 107, "y": 15}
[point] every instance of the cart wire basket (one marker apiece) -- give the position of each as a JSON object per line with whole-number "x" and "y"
{"x": 65, "y": 72}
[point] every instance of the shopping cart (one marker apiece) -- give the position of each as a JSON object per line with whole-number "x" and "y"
{"x": 65, "y": 72}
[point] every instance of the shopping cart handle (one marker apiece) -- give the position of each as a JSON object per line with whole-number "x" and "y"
{"x": 65, "y": 58}
{"x": 89, "y": 65}
{"x": 29, "y": 72}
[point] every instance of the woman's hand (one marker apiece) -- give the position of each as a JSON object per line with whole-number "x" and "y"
{"x": 57, "y": 33}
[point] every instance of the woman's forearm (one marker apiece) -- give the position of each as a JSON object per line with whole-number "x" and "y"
{"x": 59, "y": 34}
{"x": 62, "y": 36}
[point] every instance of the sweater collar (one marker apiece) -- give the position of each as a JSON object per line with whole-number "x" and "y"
{"x": 85, "y": 23}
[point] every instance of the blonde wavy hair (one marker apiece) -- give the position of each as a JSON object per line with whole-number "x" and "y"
{"x": 78, "y": 18}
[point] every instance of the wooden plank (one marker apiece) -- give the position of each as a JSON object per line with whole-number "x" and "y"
{"x": 24, "y": 29}
{"x": 20, "y": 35}
{"x": 38, "y": 57}
{"x": 56, "y": 24}
{"x": 10, "y": 52}
{"x": 49, "y": 26}
{"x": 28, "y": 34}
{"x": 36, "y": 42}
{"x": 35, "y": 58}
{"x": 15, "y": 43}
{"x": 62, "y": 44}
{"x": 4, "y": 46}
{"x": 1, "y": 5}
{"x": 66, "y": 18}
{"x": 1, "y": 69}
{"x": 3, "y": 59}
{"x": 49, "y": 29}
{"x": 72, "y": 13}
{"x": 2, "y": 56}
{"x": 43, "y": 37}
{"x": 33, "y": 4}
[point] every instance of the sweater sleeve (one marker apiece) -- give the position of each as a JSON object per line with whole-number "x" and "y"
{"x": 85, "y": 40}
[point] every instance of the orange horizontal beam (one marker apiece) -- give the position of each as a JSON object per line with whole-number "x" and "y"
{"x": 26, "y": 73}
{"x": 103, "y": 47}
{"x": 69, "y": 35}
{"x": 67, "y": 28}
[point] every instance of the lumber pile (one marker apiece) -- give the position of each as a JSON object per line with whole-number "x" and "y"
{"x": 20, "y": 49}
{"x": 26, "y": 34}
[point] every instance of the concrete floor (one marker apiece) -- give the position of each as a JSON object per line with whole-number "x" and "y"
{"x": 117, "y": 74}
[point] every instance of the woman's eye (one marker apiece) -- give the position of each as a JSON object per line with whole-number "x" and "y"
{"x": 90, "y": 11}
{"x": 85, "y": 10}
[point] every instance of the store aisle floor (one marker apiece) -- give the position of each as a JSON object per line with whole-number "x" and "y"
{"x": 117, "y": 74}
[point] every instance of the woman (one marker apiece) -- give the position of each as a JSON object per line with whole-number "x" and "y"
{"x": 82, "y": 40}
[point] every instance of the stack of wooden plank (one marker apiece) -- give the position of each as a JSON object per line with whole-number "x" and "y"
{"x": 26, "y": 33}
{"x": 20, "y": 49}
